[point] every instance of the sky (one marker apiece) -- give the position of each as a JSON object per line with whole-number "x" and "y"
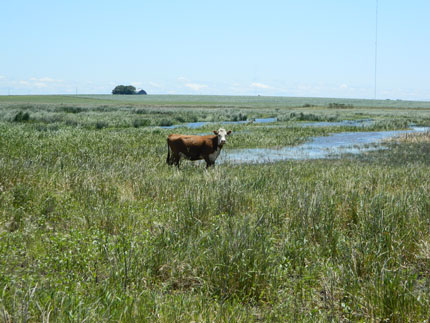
{"x": 306, "y": 48}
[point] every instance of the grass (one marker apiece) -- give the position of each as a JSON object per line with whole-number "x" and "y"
{"x": 95, "y": 226}
{"x": 211, "y": 101}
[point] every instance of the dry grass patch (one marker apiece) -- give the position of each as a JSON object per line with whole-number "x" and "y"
{"x": 417, "y": 137}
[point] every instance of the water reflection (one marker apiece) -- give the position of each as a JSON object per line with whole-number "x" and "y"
{"x": 265, "y": 120}
{"x": 320, "y": 147}
{"x": 199, "y": 124}
{"x": 343, "y": 123}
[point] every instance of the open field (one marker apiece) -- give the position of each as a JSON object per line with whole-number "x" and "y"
{"x": 95, "y": 226}
{"x": 108, "y": 111}
{"x": 210, "y": 101}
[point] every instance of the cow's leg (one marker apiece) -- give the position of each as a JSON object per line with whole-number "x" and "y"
{"x": 169, "y": 159}
{"x": 176, "y": 159}
{"x": 172, "y": 160}
{"x": 209, "y": 163}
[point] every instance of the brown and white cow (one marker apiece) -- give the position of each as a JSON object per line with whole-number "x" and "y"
{"x": 196, "y": 147}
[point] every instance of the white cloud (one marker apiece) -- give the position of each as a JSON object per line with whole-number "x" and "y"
{"x": 154, "y": 84}
{"x": 2, "y": 77}
{"x": 183, "y": 79}
{"x": 260, "y": 85}
{"x": 137, "y": 84}
{"x": 45, "y": 79}
{"x": 195, "y": 86}
{"x": 343, "y": 86}
{"x": 40, "y": 85}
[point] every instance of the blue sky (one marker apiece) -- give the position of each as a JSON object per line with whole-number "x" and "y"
{"x": 287, "y": 48}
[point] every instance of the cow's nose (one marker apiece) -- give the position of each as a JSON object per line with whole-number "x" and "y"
{"x": 223, "y": 141}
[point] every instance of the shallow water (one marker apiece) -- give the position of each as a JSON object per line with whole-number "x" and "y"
{"x": 265, "y": 120}
{"x": 199, "y": 124}
{"x": 344, "y": 123}
{"x": 319, "y": 147}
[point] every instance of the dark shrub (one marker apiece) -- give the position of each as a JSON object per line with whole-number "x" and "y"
{"x": 340, "y": 106}
{"x": 101, "y": 125}
{"x": 46, "y": 128}
{"x": 21, "y": 117}
{"x": 141, "y": 123}
{"x": 71, "y": 123}
{"x": 180, "y": 119}
{"x": 165, "y": 123}
{"x": 304, "y": 117}
{"x": 239, "y": 117}
{"x": 141, "y": 111}
{"x": 71, "y": 109}
{"x": 104, "y": 108}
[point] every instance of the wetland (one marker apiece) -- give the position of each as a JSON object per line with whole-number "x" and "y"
{"x": 95, "y": 226}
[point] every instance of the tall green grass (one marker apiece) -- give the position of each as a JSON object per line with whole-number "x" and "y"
{"x": 95, "y": 226}
{"x": 99, "y": 116}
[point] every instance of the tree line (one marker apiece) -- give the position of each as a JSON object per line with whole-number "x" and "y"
{"x": 126, "y": 89}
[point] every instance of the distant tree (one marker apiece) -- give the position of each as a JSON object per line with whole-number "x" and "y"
{"x": 119, "y": 89}
{"x": 124, "y": 89}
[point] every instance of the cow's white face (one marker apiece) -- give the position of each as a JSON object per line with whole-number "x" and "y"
{"x": 222, "y": 134}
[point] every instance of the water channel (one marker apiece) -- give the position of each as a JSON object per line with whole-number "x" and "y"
{"x": 331, "y": 146}
{"x": 199, "y": 124}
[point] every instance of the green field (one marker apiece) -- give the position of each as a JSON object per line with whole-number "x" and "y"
{"x": 95, "y": 226}
{"x": 209, "y": 101}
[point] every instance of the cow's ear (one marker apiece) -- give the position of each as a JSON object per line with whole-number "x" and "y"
{"x": 228, "y": 132}
{"x": 216, "y": 132}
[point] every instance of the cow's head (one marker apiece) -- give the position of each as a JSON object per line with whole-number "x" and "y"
{"x": 221, "y": 133}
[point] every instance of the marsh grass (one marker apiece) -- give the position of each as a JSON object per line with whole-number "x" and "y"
{"x": 414, "y": 138}
{"x": 94, "y": 226}
{"x": 121, "y": 111}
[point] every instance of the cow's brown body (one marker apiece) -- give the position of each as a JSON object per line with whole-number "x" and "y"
{"x": 193, "y": 148}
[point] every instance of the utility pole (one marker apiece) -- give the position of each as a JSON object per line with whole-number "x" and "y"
{"x": 376, "y": 46}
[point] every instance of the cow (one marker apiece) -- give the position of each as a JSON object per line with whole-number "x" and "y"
{"x": 195, "y": 147}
